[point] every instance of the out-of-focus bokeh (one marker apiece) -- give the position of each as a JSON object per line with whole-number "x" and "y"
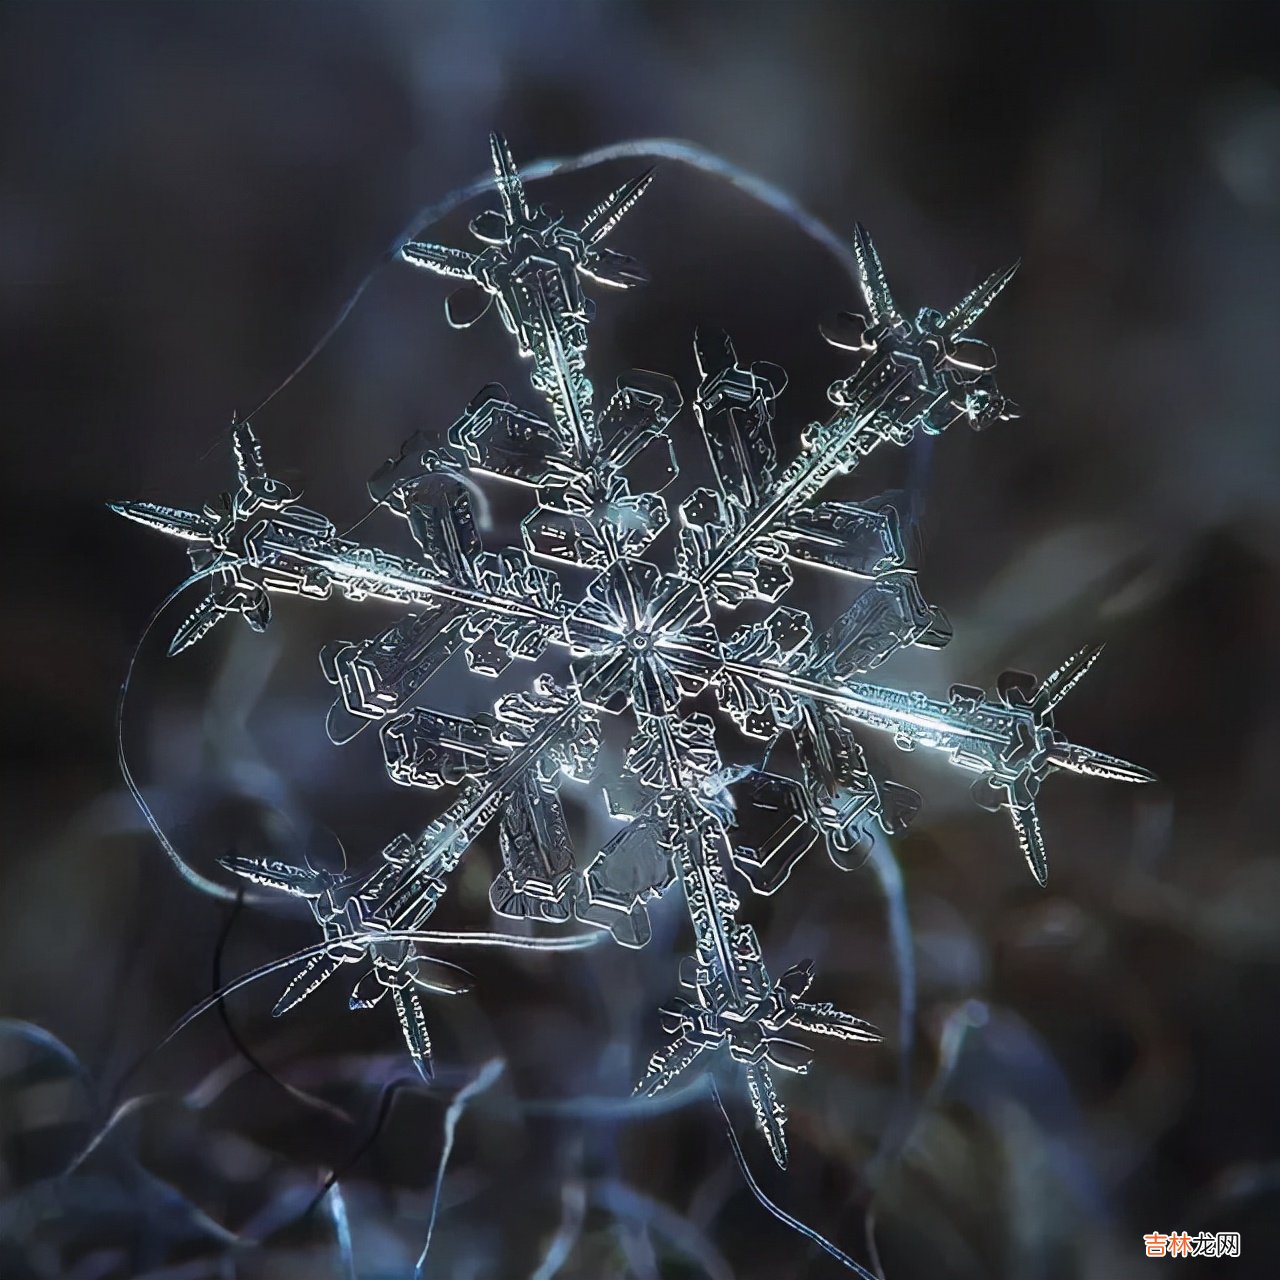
{"x": 188, "y": 195}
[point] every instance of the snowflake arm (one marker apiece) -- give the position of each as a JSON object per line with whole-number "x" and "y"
{"x": 262, "y": 540}
{"x": 1010, "y": 741}
{"x": 533, "y": 269}
{"x": 523, "y": 756}
{"x": 735, "y": 1006}
{"x": 918, "y": 375}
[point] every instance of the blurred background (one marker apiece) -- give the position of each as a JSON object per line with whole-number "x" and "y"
{"x": 190, "y": 193}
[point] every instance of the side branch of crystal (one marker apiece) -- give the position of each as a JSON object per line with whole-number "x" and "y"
{"x": 636, "y": 639}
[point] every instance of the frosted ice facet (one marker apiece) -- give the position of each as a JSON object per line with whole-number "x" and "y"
{"x": 616, "y": 630}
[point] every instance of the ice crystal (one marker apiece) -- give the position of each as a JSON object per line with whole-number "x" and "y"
{"x": 642, "y": 641}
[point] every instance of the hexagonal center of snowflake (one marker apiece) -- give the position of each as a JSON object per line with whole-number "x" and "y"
{"x": 646, "y": 638}
{"x": 639, "y": 642}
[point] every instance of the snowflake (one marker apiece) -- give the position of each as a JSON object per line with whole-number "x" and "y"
{"x": 642, "y": 642}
